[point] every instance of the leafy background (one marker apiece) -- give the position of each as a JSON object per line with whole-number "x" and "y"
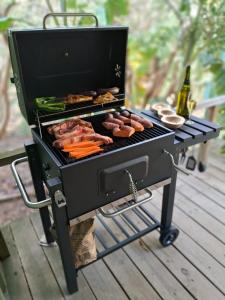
{"x": 164, "y": 36}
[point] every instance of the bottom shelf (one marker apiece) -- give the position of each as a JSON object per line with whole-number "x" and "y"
{"x": 113, "y": 233}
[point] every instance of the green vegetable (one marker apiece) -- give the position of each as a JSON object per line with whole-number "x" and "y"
{"x": 50, "y": 104}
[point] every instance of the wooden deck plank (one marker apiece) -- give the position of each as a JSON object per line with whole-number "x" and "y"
{"x": 197, "y": 284}
{"x": 201, "y": 236}
{"x": 217, "y": 161}
{"x": 203, "y": 202}
{"x": 201, "y": 217}
{"x": 198, "y": 256}
{"x": 211, "y": 180}
{"x": 39, "y": 275}
{"x": 217, "y": 172}
{"x": 135, "y": 285}
{"x": 102, "y": 282}
{"x": 53, "y": 256}
{"x": 166, "y": 285}
{"x": 14, "y": 275}
{"x": 202, "y": 187}
{"x": 129, "y": 277}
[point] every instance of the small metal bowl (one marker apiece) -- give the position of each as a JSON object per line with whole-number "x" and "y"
{"x": 173, "y": 121}
{"x": 158, "y": 106}
{"x": 165, "y": 112}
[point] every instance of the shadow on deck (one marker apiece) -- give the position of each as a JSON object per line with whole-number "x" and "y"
{"x": 193, "y": 268}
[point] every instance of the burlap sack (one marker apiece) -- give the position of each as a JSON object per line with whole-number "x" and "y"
{"x": 83, "y": 242}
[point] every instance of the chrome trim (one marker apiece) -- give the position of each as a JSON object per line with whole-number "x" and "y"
{"x": 123, "y": 210}
{"x": 23, "y": 192}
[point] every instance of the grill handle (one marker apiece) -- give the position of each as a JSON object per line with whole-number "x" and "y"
{"x": 23, "y": 192}
{"x": 123, "y": 210}
{"x": 69, "y": 15}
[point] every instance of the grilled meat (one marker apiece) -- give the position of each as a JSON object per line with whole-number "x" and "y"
{"x": 105, "y": 98}
{"x": 146, "y": 123}
{"x": 136, "y": 125}
{"x": 84, "y": 137}
{"x": 77, "y": 130}
{"x": 115, "y": 121}
{"x": 118, "y": 116}
{"x": 109, "y": 125}
{"x": 113, "y": 90}
{"x": 124, "y": 131}
{"x": 67, "y": 125}
{"x": 125, "y": 113}
{"x": 72, "y": 99}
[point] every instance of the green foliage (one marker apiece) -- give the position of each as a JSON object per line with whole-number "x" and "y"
{"x": 5, "y": 23}
{"x": 115, "y": 9}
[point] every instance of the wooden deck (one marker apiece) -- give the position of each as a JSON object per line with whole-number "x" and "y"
{"x": 194, "y": 268}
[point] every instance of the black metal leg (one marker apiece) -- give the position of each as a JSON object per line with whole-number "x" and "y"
{"x": 63, "y": 238}
{"x": 39, "y": 189}
{"x": 168, "y": 200}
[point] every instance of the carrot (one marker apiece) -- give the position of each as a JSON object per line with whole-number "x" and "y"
{"x": 82, "y": 150}
{"x": 89, "y": 153}
{"x": 78, "y": 156}
{"x": 82, "y": 144}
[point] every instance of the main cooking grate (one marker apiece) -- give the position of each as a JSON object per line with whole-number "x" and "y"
{"x": 147, "y": 134}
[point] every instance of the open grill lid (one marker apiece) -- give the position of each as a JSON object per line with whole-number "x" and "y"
{"x": 58, "y": 62}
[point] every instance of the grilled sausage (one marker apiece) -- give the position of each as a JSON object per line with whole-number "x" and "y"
{"x": 124, "y": 119}
{"x": 109, "y": 125}
{"x": 113, "y": 90}
{"x": 123, "y": 131}
{"x": 146, "y": 123}
{"x": 125, "y": 113}
{"x": 115, "y": 121}
{"x": 136, "y": 125}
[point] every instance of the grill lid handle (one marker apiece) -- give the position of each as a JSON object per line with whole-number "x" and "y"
{"x": 26, "y": 199}
{"x": 69, "y": 15}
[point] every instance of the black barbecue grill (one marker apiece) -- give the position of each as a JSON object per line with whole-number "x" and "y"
{"x": 56, "y": 62}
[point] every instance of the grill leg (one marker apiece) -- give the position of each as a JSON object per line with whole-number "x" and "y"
{"x": 168, "y": 200}
{"x": 39, "y": 189}
{"x": 63, "y": 238}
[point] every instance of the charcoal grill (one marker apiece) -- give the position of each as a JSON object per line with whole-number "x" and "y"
{"x": 60, "y": 61}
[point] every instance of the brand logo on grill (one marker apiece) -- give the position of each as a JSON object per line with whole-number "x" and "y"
{"x": 118, "y": 70}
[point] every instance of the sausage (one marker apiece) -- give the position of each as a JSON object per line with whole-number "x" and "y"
{"x": 123, "y": 131}
{"x": 109, "y": 125}
{"x": 125, "y": 113}
{"x": 136, "y": 125}
{"x": 115, "y": 121}
{"x": 122, "y": 118}
{"x": 112, "y": 90}
{"x": 146, "y": 123}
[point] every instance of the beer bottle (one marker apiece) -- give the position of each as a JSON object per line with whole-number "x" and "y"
{"x": 183, "y": 95}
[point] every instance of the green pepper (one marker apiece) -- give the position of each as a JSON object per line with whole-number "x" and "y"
{"x": 50, "y": 104}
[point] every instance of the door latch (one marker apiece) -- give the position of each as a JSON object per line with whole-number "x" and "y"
{"x": 60, "y": 199}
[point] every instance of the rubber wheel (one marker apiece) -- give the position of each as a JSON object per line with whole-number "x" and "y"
{"x": 168, "y": 237}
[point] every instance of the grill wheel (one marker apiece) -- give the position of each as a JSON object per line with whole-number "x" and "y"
{"x": 168, "y": 237}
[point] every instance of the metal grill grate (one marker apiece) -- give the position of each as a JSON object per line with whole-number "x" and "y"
{"x": 147, "y": 134}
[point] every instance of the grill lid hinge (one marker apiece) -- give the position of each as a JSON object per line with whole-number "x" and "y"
{"x": 60, "y": 199}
